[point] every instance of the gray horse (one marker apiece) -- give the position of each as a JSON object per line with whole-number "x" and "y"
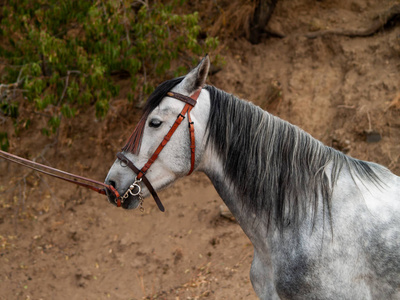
{"x": 323, "y": 225}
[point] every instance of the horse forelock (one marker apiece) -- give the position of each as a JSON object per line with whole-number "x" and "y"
{"x": 134, "y": 141}
{"x": 278, "y": 169}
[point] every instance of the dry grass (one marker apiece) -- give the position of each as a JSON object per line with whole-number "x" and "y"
{"x": 395, "y": 103}
{"x": 199, "y": 287}
{"x": 233, "y": 18}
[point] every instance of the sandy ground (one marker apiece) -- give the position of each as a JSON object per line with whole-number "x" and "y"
{"x": 62, "y": 242}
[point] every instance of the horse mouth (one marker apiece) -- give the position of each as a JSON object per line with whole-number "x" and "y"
{"x": 131, "y": 202}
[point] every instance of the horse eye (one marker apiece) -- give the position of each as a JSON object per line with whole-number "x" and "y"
{"x": 155, "y": 123}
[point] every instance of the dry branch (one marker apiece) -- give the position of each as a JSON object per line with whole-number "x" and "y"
{"x": 262, "y": 13}
{"x": 380, "y": 22}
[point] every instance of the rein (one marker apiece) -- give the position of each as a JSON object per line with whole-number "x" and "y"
{"x": 76, "y": 179}
{"x": 135, "y": 189}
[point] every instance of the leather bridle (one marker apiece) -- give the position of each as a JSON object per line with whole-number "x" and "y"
{"x": 135, "y": 189}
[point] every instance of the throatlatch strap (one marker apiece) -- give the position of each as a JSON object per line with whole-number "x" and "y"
{"x": 192, "y": 100}
{"x": 192, "y": 143}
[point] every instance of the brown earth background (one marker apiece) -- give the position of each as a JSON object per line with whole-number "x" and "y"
{"x": 58, "y": 241}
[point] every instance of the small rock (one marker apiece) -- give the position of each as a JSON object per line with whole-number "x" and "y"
{"x": 373, "y": 137}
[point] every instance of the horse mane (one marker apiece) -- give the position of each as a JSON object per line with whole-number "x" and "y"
{"x": 134, "y": 141}
{"x": 278, "y": 169}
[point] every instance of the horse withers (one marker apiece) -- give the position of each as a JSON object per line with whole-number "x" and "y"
{"x": 323, "y": 225}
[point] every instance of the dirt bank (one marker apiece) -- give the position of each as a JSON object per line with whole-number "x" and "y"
{"x": 62, "y": 242}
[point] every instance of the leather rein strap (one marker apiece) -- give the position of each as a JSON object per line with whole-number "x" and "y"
{"x": 190, "y": 103}
{"x": 60, "y": 174}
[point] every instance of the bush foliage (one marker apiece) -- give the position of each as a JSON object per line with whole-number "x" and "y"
{"x": 62, "y": 54}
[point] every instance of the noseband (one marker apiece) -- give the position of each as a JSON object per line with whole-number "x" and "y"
{"x": 135, "y": 188}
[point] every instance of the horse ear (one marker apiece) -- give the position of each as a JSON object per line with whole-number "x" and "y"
{"x": 196, "y": 78}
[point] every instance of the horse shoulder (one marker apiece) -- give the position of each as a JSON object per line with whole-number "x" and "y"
{"x": 354, "y": 252}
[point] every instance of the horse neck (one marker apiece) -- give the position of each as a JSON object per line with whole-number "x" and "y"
{"x": 213, "y": 167}
{"x": 266, "y": 169}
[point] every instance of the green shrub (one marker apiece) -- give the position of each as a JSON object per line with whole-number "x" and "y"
{"x": 62, "y": 54}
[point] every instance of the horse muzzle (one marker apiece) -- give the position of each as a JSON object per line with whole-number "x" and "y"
{"x": 131, "y": 199}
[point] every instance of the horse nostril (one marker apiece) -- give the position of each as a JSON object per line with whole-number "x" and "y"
{"x": 112, "y": 183}
{"x": 111, "y": 193}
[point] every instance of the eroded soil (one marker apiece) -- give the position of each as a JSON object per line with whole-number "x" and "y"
{"x": 58, "y": 241}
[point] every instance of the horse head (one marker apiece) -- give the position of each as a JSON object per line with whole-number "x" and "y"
{"x": 153, "y": 134}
